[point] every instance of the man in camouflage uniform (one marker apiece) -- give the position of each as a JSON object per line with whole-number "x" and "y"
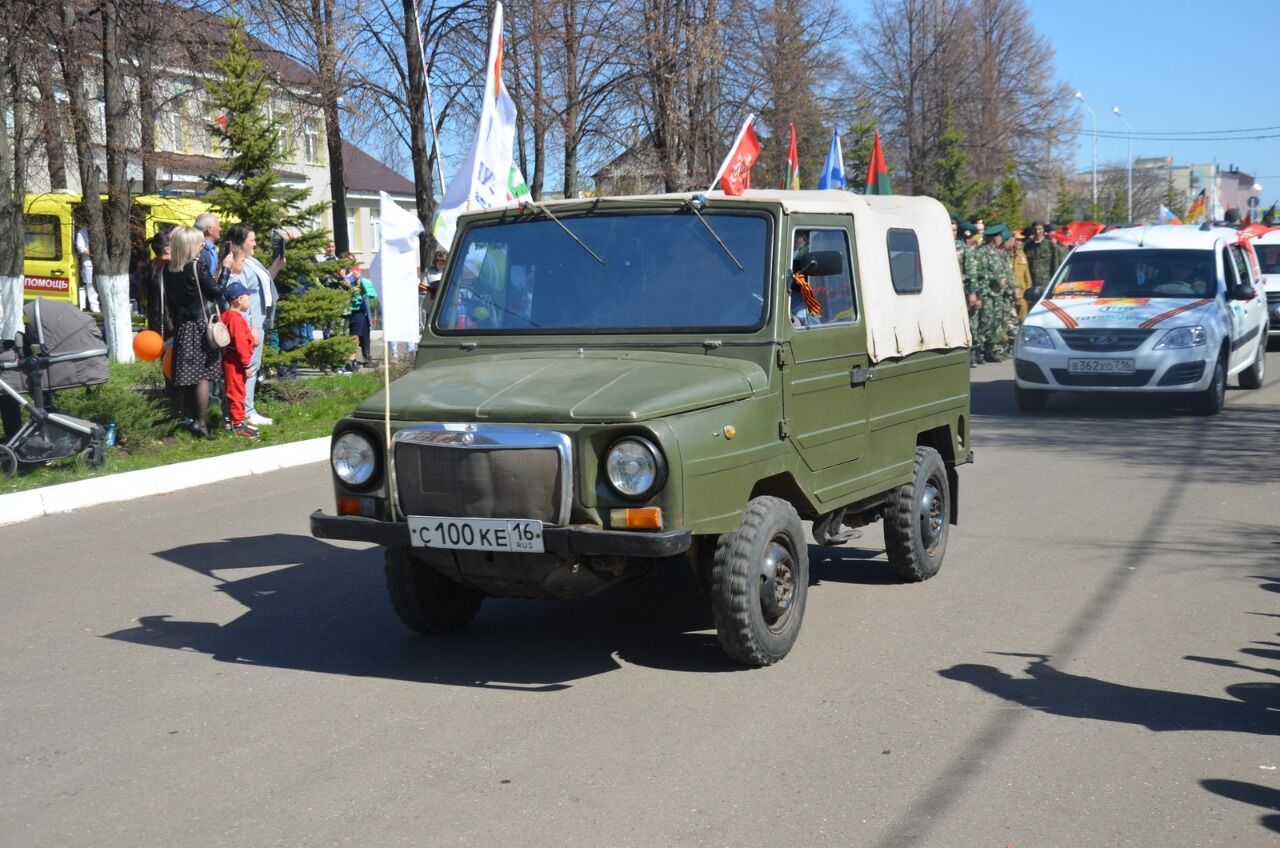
{"x": 962, "y": 233}
{"x": 1044, "y": 255}
{"x": 991, "y": 274}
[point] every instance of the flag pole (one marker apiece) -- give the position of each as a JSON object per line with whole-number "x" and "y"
{"x": 725, "y": 164}
{"x": 431, "y": 111}
{"x": 386, "y": 417}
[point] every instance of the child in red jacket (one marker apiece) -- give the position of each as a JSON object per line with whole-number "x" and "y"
{"x": 237, "y": 356}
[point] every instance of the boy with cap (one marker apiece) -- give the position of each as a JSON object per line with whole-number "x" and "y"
{"x": 237, "y": 356}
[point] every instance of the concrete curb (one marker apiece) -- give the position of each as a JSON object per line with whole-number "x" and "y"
{"x": 65, "y": 497}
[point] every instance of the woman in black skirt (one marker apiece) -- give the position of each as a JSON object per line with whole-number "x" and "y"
{"x": 191, "y": 296}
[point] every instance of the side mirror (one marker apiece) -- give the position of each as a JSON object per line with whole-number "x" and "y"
{"x": 1244, "y": 291}
{"x": 819, "y": 263}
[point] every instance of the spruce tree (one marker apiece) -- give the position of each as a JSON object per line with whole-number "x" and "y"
{"x": 1064, "y": 207}
{"x": 952, "y": 184}
{"x": 1009, "y": 199}
{"x": 856, "y": 145}
{"x": 251, "y": 192}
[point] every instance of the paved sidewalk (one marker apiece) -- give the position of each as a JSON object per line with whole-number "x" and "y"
{"x": 65, "y": 497}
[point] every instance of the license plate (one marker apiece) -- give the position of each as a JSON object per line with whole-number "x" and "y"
{"x": 1100, "y": 366}
{"x": 517, "y": 535}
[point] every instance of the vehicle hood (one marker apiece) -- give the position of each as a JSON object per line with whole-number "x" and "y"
{"x": 567, "y": 386}
{"x": 1136, "y": 312}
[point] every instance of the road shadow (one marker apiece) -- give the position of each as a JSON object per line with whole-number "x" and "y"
{"x": 313, "y": 606}
{"x": 1250, "y": 793}
{"x": 848, "y": 564}
{"x": 1134, "y": 430}
{"x": 1048, "y": 690}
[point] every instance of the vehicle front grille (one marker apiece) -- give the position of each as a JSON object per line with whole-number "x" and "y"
{"x": 481, "y": 479}
{"x": 1105, "y": 341}
{"x": 1138, "y": 378}
{"x": 1273, "y": 297}
{"x": 1183, "y": 373}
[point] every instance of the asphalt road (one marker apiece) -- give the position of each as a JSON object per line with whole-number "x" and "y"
{"x": 1096, "y": 665}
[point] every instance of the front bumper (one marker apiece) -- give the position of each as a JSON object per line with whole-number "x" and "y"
{"x": 565, "y": 542}
{"x": 1178, "y": 370}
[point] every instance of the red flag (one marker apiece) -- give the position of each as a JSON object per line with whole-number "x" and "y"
{"x": 877, "y": 171}
{"x": 792, "y": 179}
{"x": 735, "y": 172}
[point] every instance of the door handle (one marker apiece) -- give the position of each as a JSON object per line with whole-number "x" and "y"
{"x": 860, "y": 376}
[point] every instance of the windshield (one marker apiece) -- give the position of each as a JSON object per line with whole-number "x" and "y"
{"x": 1137, "y": 273}
{"x": 661, "y": 272}
{"x": 1268, "y": 257}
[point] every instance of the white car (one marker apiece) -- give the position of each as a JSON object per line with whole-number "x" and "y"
{"x": 1169, "y": 309}
{"x": 1267, "y": 248}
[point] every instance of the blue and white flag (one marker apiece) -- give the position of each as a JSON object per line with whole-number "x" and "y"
{"x": 833, "y": 170}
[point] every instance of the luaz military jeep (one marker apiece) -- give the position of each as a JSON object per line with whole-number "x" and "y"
{"x": 611, "y": 385}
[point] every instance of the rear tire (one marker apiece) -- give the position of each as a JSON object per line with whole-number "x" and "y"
{"x": 759, "y": 583}
{"x": 1214, "y": 397}
{"x": 917, "y": 520}
{"x": 424, "y": 599}
{"x": 1030, "y": 400}
{"x": 1251, "y": 377}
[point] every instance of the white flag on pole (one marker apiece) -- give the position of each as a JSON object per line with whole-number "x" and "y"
{"x": 487, "y": 177}
{"x": 394, "y": 272}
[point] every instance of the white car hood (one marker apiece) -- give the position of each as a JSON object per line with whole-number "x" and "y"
{"x": 1137, "y": 312}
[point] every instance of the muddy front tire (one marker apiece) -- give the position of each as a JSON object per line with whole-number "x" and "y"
{"x": 759, "y": 583}
{"x": 424, "y": 599}
{"x": 917, "y": 519}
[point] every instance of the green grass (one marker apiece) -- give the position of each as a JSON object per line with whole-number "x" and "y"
{"x": 303, "y": 408}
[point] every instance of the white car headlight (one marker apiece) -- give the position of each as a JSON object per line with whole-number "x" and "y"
{"x": 1035, "y": 337}
{"x": 635, "y": 467}
{"x": 1180, "y": 337}
{"x": 353, "y": 458}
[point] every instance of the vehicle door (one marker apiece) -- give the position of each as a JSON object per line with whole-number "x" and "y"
{"x": 48, "y": 262}
{"x": 825, "y": 366}
{"x": 1247, "y": 315}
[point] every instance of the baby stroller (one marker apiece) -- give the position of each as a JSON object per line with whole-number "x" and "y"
{"x": 61, "y": 348}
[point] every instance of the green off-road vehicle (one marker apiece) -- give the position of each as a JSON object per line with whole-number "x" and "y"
{"x": 611, "y": 385}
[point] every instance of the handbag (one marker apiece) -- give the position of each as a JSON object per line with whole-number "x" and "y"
{"x": 216, "y": 333}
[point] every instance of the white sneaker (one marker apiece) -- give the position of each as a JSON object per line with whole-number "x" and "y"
{"x": 259, "y": 420}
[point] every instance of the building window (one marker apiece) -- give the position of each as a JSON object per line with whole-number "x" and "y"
{"x": 375, "y": 231}
{"x": 313, "y": 142}
{"x": 353, "y": 233}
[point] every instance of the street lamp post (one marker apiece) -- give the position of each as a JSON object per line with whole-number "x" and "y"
{"x": 1128, "y": 131}
{"x": 1093, "y": 125}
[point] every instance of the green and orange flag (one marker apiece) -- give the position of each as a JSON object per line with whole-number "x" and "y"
{"x": 877, "y": 171}
{"x": 792, "y": 179}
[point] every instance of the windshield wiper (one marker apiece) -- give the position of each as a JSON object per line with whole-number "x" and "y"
{"x": 695, "y": 204}
{"x": 529, "y": 204}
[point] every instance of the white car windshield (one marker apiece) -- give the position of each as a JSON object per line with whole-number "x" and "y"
{"x": 1137, "y": 273}
{"x": 660, "y": 271}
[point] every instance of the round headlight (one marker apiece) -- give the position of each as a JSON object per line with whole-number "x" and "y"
{"x": 635, "y": 467}
{"x": 354, "y": 458}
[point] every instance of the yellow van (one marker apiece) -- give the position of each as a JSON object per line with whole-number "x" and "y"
{"x": 50, "y": 264}
{"x": 49, "y": 261}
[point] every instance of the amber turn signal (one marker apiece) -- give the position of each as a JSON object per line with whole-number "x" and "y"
{"x": 637, "y": 518}
{"x": 353, "y": 505}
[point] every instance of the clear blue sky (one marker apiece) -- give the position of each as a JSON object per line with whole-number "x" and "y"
{"x": 1172, "y": 67}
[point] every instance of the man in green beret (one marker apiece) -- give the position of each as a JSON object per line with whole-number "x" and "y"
{"x": 963, "y": 232}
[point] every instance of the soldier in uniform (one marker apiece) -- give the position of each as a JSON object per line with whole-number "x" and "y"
{"x": 963, "y": 233}
{"x": 1044, "y": 255}
{"x": 994, "y": 277}
{"x": 1021, "y": 274}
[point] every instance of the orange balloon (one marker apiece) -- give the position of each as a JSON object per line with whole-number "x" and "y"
{"x": 148, "y": 345}
{"x": 166, "y": 364}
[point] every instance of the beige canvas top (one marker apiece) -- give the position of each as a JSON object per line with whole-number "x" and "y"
{"x": 937, "y": 318}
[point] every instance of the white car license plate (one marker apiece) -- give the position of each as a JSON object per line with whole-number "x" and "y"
{"x": 1100, "y": 366}
{"x": 518, "y": 535}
